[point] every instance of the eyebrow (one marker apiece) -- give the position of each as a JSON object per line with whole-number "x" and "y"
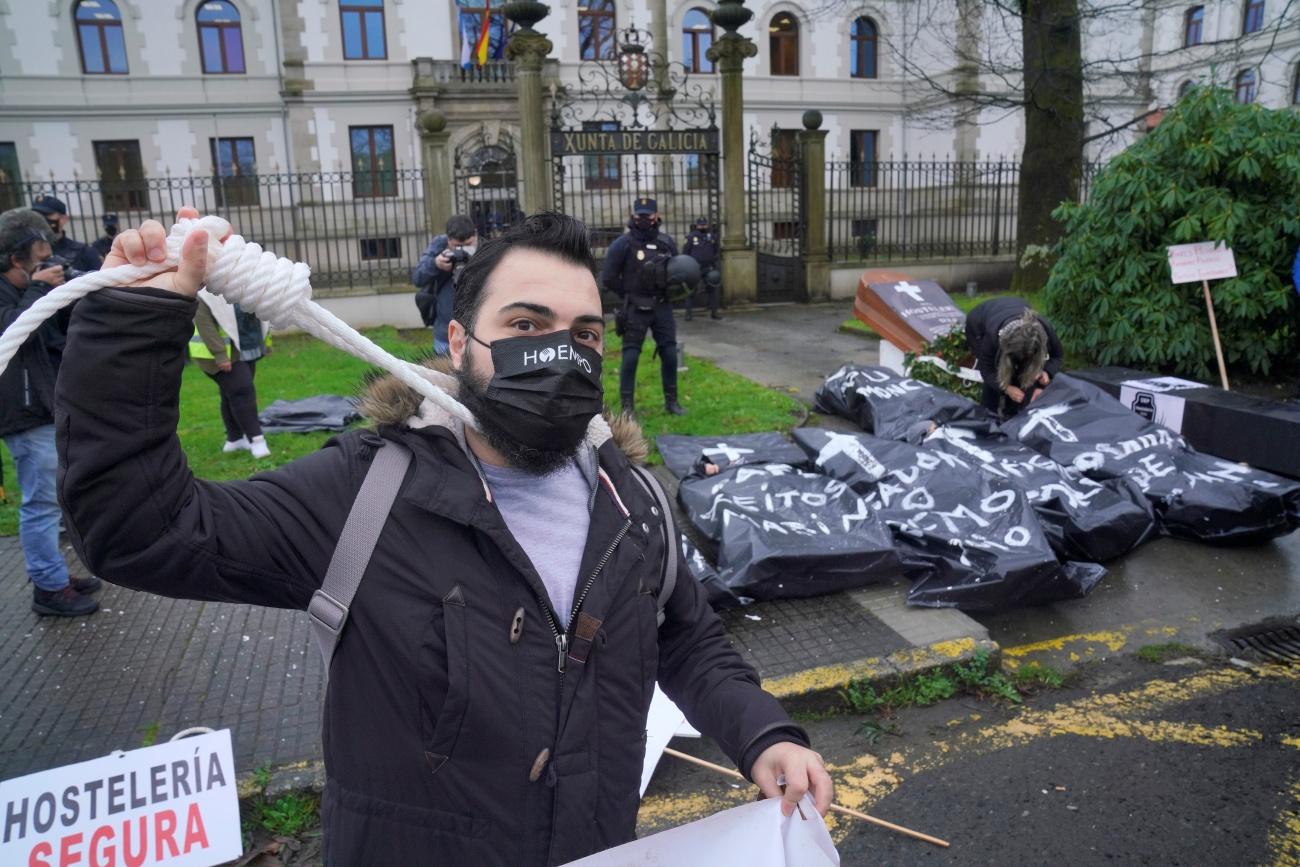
{"x": 543, "y": 310}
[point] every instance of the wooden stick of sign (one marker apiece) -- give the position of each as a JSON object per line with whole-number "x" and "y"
{"x": 835, "y": 808}
{"x": 1214, "y": 330}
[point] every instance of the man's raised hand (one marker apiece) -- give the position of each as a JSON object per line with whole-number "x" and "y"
{"x": 148, "y": 244}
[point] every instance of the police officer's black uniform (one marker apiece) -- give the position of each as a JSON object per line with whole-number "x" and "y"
{"x": 645, "y": 307}
{"x": 702, "y": 246}
{"x": 80, "y": 256}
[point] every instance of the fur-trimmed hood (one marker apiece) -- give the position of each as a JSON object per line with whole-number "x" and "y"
{"x": 387, "y": 400}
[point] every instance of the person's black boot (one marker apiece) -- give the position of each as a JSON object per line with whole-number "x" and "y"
{"x": 62, "y": 603}
{"x": 629, "y": 405}
{"x": 671, "y": 406}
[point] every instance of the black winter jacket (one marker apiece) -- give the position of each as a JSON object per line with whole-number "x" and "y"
{"x": 450, "y": 735}
{"x": 982, "y": 327}
{"x": 27, "y": 385}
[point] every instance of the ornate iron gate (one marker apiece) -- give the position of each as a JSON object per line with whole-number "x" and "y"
{"x": 617, "y": 135}
{"x": 776, "y": 220}
{"x": 486, "y": 178}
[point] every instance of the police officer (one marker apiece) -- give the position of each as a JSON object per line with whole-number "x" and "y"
{"x": 81, "y": 257}
{"x": 702, "y": 246}
{"x": 631, "y": 265}
{"x": 105, "y": 243}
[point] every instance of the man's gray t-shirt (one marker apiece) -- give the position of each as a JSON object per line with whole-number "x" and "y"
{"x": 548, "y": 517}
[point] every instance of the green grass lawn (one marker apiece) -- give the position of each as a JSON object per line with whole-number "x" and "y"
{"x": 716, "y": 401}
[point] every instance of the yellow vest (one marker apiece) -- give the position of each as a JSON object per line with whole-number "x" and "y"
{"x": 199, "y": 349}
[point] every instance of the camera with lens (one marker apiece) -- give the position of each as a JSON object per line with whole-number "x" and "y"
{"x": 457, "y": 257}
{"x": 69, "y": 273}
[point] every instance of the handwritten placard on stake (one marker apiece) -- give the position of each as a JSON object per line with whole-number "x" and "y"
{"x": 1192, "y": 263}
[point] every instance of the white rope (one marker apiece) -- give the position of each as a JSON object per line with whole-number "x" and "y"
{"x": 276, "y": 289}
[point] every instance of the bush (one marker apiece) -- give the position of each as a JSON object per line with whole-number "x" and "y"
{"x": 1211, "y": 171}
{"x": 952, "y": 350}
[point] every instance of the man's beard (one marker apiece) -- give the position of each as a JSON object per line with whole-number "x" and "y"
{"x": 473, "y": 394}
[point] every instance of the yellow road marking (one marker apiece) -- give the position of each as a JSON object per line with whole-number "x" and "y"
{"x": 1087, "y": 643}
{"x": 1284, "y": 835}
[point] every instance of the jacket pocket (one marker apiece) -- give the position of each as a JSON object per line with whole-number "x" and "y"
{"x": 441, "y": 726}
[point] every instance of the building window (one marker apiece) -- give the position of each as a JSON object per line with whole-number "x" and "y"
{"x": 785, "y": 230}
{"x": 864, "y": 234}
{"x": 374, "y": 167}
{"x": 1245, "y": 90}
{"x": 697, "y": 36}
{"x": 1253, "y": 19}
{"x": 783, "y": 41}
{"x": 363, "y": 29}
{"x": 471, "y": 25}
{"x": 862, "y": 59}
{"x": 863, "y": 155}
{"x": 234, "y": 171}
{"x": 1184, "y": 88}
{"x": 785, "y": 157}
{"x": 99, "y": 36}
{"x": 701, "y": 169}
{"x": 10, "y": 193}
{"x": 596, "y": 23}
{"x": 380, "y": 248}
{"x": 121, "y": 175}
{"x": 1193, "y": 25}
{"x": 220, "y": 42}
{"x": 602, "y": 172}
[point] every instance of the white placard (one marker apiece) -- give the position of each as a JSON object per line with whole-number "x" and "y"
{"x": 664, "y": 723}
{"x": 1192, "y": 263}
{"x": 173, "y": 804}
{"x": 755, "y": 835}
{"x": 1157, "y": 399}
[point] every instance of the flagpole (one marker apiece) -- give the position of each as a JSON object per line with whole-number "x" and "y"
{"x": 835, "y": 808}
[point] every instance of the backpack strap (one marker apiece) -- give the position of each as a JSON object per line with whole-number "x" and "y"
{"x": 329, "y": 605}
{"x": 669, "y": 582}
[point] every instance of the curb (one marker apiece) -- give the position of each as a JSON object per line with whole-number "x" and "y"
{"x": 818, "y": 689}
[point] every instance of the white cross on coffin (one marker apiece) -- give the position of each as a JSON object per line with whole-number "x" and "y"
{"x": 905, "y": 288}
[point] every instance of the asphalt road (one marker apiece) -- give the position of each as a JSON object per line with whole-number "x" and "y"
{"x": 1135, "y": 763}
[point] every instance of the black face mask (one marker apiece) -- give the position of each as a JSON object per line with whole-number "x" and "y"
{"x": 545, "y": 390}
{"x": 645, "y": 228}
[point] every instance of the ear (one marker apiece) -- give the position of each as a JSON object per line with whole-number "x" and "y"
{"x": 458, "y": 340}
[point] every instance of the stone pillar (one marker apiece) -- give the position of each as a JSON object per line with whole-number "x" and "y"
{"x": 528, "y": 49}
{"x": 729, "y": 53}
{"x": 438, "y": 202}
{"x": 816, "y": 259}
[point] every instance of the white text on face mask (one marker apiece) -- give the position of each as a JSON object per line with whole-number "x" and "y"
{"x": 563, "y": 352}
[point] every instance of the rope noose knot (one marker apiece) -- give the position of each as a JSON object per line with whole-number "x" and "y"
{"x": 243, "y": 273}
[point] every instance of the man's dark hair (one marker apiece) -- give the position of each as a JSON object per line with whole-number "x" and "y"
{"x": 557, "y": 234}
{"x": 461, "y": 228}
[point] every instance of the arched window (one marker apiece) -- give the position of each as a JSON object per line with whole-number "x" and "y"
{"x": 783, "y": 40}
{"x": 1253, "y": 19}
{"x": 1184, "y": 88}
{"x": 1245, "y": 91}
{"x": 363, "y": 29}
{"x": 697, "y": 36}
{"x": 862, "y": 49}
{"x": 596, "y": 24}
{"x": 1193, "y": 25}
{"x": 99, "y": 36}
{"x": 220, "y": 41}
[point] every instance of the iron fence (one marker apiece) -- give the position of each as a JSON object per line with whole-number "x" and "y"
{"x": 357, "y": 230}
{"x": 918, "y": 209}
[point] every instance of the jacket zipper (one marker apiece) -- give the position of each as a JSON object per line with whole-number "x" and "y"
{"x": 27, "y": 389}
{"x": 562, "y": 638}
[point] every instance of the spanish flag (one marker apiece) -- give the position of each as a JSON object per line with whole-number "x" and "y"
{"x": 484, "y": 35}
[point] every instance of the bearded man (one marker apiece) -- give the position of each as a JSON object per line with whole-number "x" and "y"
{"x": 488, "y": 692}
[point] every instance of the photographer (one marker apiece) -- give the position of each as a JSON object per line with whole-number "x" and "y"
{"x": 80, "y": 256}
{"x": 637, "y": 267}
{"x": 27, "y": 416}
{"x": 434, "y": 277}
{"x": 702, "y": 246}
